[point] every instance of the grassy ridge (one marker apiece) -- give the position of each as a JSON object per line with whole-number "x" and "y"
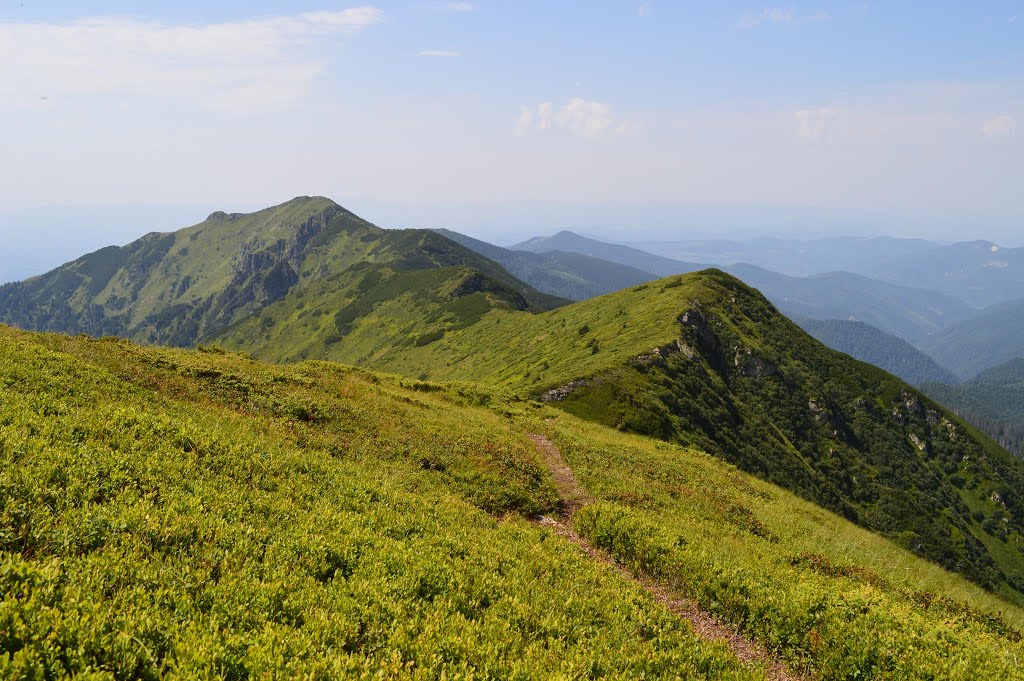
{"x": 706, "y": 361}
{"x": 832, "y": 599}
{"x": 201, "y": 514}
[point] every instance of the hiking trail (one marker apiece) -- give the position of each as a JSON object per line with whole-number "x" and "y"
{"x": 574, "y": 496}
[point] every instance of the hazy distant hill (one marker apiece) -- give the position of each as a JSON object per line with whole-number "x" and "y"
{"x": 624, "y": 255}
{"x": 986, "y": 339}
{"x": 993, "y": 401}
{"x": 978, "y": 272}
{"x": 795, "y": 257}
{"x": 909, "y": 313}
{"x": 868, "y": 344}
{"x": 561, "y": 273}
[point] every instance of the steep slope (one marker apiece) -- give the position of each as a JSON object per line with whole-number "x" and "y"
{"x": 979, "y": 272}
{"x": 704, "y": 360}
{"x": 909, "y": 313}
{"x": 560, "y": 273}
{"x": 991, "y": 337}
{"x": 188, "y": 286}
{"x": 624, "y": 255}
{"x": 200, "y": 515}
{"x": 993, "y": 401}
{"x": 874, "y": 346}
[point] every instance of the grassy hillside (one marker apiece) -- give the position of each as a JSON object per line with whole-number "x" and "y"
{"x": 188, "y": 286}
{"x": 199, "y": 514}
{"x": 992, "y": 337}
{"x": 874, "y": 346}
{"x": 704, "y": 360}
{"x": 561, "y": 273}
{"x": 993, "y": 401}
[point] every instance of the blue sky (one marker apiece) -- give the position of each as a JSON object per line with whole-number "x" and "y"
{"x": 504, "y": 119}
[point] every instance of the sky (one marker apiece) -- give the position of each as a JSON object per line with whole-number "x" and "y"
{"x": 626, "y": 120}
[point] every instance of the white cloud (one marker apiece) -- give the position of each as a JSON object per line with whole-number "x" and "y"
{"x": 459, "y": 7}
{"x": 438, "y": 53}
{"x": 578, "y": 116}
{"x": 816, "y": 125}
{"x": 999, "y": 126}
{"x": 769, "y": 15}
{"x": 233, "y": 65}
{"x": 644, "y": 9}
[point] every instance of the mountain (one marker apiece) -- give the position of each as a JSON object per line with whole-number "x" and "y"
{"x": 700, "y": 360}
{"x": 197, "y": 514}
{"x": 903, "y": 311}
{"x": 560, "y": 273}
{"x": 794, "y": 257}
{"x": 871, "y": 345}
{"x": 705, "y": 361}
{"x": 989, "y": 338}
{"x": 993, "y": 401}
{"x": 910, "y": 313}
{"x": 623, "y": 255}
{"x": 979, "y": 272}
{"x": 192, "y": 285}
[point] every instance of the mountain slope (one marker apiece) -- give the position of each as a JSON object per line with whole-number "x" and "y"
{"x": 624, "y": 255}
{"x": 561, "y": 273}
{"x": 909, "y": 313}
{"x": 704, "y": 360}
{"x": 993, "y": 401}
{"x": 991, "y": 337}
{"x": 189, "y": 286}
{"x": 871, "y": 345}
{"x": 198, "y": 514}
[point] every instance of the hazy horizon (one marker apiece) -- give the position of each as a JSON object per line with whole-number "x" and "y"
{"x": 625, "y": 120}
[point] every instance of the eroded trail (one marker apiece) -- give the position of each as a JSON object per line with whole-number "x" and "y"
{"x": 574, "y": 496}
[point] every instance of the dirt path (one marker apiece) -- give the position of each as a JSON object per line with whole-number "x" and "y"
{"x": 574, "y": 496}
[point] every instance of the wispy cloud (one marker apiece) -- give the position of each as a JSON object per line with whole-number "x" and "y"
{"x": 999, "y": 126}
{"x": 438, "y": 53}
{"x": 644, "y": 9}
{"x": 460, "y": 6}
{"x": 244, "y": 65}
{"x": 769, "y": 15}
{"x": 582, "y": 117}
{"x": 815, "y": 126}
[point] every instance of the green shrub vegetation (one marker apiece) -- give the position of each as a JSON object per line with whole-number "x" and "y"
{"x": 200, "y": 514}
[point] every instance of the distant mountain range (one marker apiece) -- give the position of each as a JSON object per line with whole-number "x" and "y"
{"x": 990, "y": 337}
{"x": 623, "y": 255}
{"x": 980, "y": 273}
{"x": 566, "y": 274}
{"x": 910, "y": 313}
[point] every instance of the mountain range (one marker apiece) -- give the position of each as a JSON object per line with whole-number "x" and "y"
{"x": 381, "y": 444}
{"x": 980, "y": 273}
{"x": 699, "y": 359}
